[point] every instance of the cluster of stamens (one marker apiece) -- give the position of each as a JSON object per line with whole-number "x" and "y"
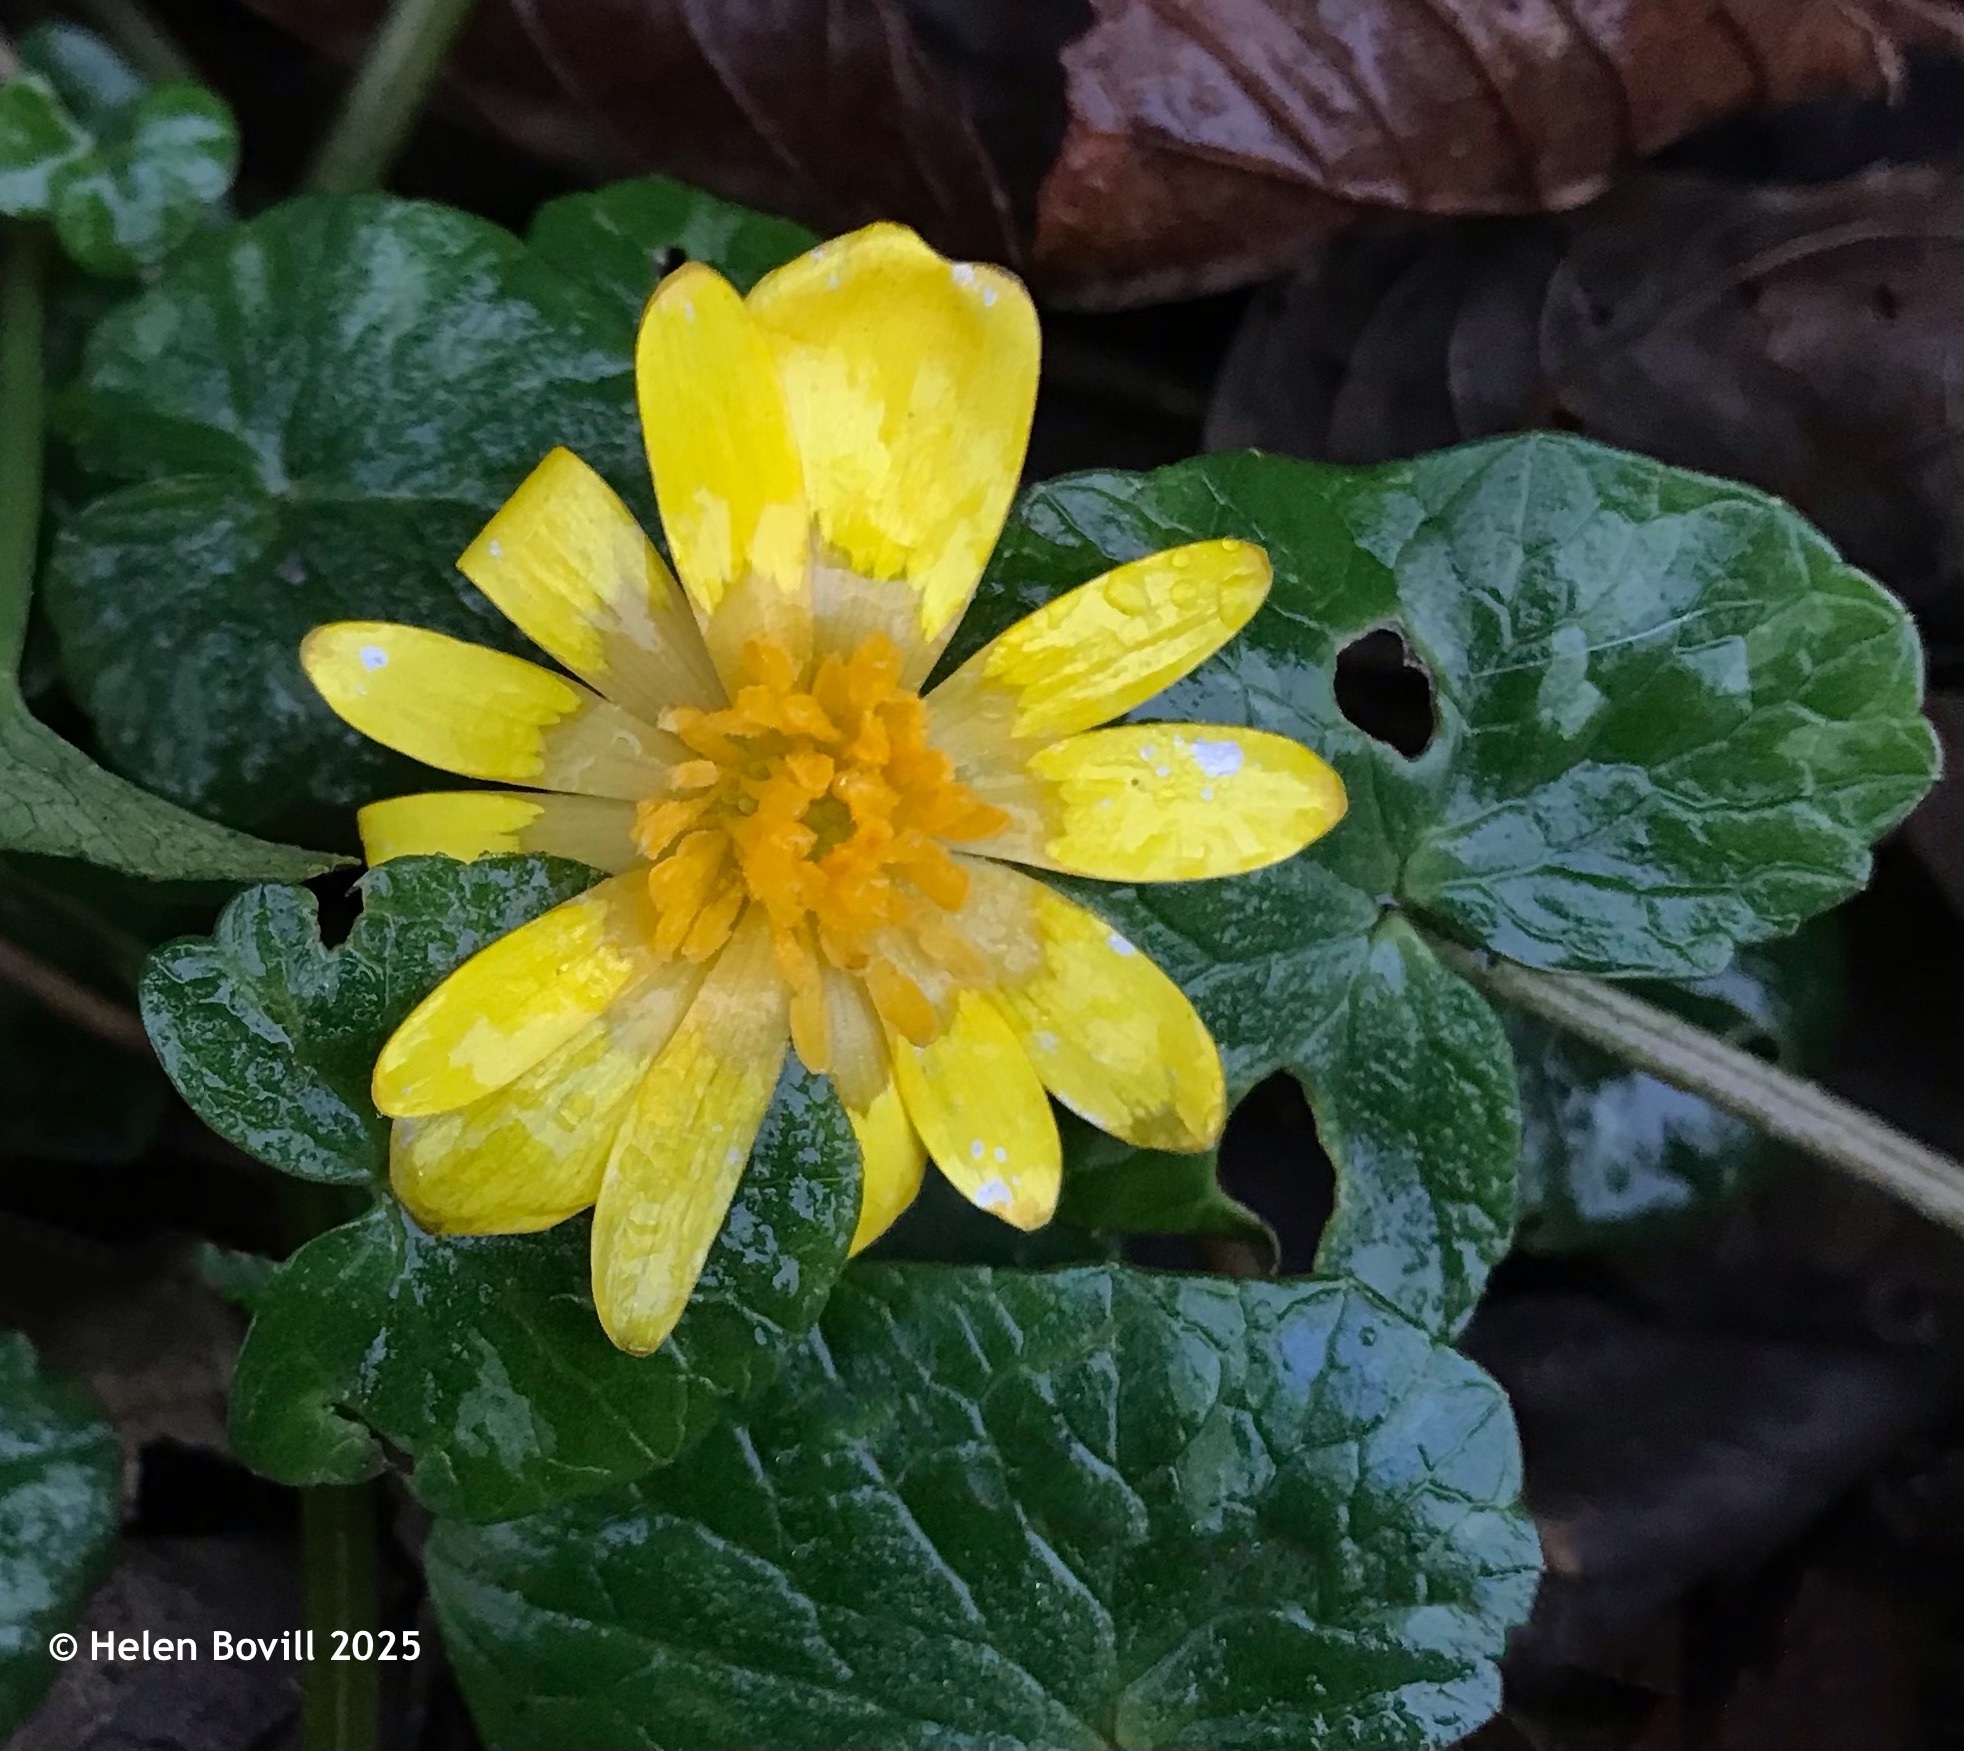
{"x": 819, "y": 798}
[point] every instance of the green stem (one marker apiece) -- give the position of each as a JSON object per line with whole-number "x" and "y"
{"x": 23, "y": 411}
{"x": 1784, "y": 1106}
{"x": 382, "y": 104}
{"x": 337, "y": 1539}
{"x": 144, "y": 43}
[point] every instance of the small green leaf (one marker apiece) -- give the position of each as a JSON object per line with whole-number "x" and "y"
{"x": 1609, "y": 1154}
{"x": 1113, "y": 1188}
{"x": 1668, "y": 722}
{"x": 482, "y": 1361}
{"x": 38, "y": 140}
{"x": 1096, "y": 1507}
{"x": 410, "y": 365}
{"x": 59, "y": 1471}
{"x": 620, "y": 240}
{"x": 271, "y": 1036}
{"x": 146, "y": 189}
{"x": 125, "y": 173}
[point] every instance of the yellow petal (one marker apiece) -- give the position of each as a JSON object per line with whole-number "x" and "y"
{"x": 727, "y": 474}
{"x": 571, "y": 568}
{"x": 524, "y": 996}
{"x": 976, "y": 1101}
{"x": 683, "y": 1146}
{"x": 532, "y": 1154}
{"x": 911, "y": 380}
{"x": 1163, "y": 803}
{"x": 467, "y": 824}
{"x": 1094, "y": 653}
{"x": 1111, "y": 1036}
{"x": 481, "y": 713}
{"x": 892, "y": 1160}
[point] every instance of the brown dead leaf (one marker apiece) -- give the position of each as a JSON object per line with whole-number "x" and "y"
{"x": 829, "y": 111}
{"x": 826, "y": 110}
{"x": 1808, "y": 340}
{"x": 1435, "y": 106}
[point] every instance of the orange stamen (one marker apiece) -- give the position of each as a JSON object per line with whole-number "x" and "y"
{"x": 823, "y": 801}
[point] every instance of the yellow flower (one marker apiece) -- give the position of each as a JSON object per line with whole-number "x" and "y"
{"x": 802, "y": 849}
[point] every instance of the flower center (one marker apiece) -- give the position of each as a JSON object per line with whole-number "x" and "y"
{"x": 821, "y": 800}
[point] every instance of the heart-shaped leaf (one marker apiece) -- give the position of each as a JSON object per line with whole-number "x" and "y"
{"x": 1096, "y": 1507}
{"x": 411, "y": 365}
{"x": 481, "y": 1361}
{"x": 58, "y": 1478}
{"x": 1667, "y": 722}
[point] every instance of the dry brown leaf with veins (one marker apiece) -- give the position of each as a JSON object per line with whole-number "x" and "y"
{"x": 1433, "y": 106}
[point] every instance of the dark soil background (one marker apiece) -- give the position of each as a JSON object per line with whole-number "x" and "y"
{"x": 1745, "y": 1439}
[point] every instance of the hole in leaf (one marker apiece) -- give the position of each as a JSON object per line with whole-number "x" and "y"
{"x": 1385, "y": 691}
{"x": 1273, "y": 1162}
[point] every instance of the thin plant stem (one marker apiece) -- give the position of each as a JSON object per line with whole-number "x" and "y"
{"x": 337, "y": 1537}
{"x": 23, "y": 411}
{"x": 1786, "y": 1107}
{"x": 72, "y": 1001}
{"x": 389, "y": 89}
{"x": 144, "y": 43}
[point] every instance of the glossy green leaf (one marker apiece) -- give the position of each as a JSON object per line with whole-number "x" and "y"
{"x": 1091, "y": 1508}
{"x": 410, "y": 365}
{"x": 481, "y": 1362}
{"x": 620, "y": 240}
{"x": 271, "y": 1036}
{"x": 59, "y": 1472}
{"x": 1668, "y": 721}
{"x": 125, "y": 173}
{"x": 1609, "y": 1154}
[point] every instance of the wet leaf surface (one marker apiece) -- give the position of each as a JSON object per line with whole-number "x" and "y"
{"x": 1616, "y": 780}
{"x": 412, "y": 364}
{"x": 57, "y": 1518}
{"x": 1095, "y": 1507}
{"x": 270, "y": 1035}
{"x": 481, "y": 1362}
